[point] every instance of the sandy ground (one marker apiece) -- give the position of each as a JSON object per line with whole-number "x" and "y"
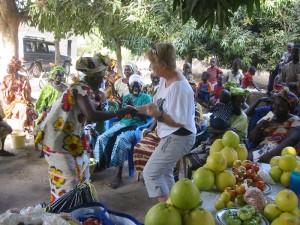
{"x": 24, "y": 182}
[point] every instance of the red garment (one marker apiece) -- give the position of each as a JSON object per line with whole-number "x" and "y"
{"x": 215, "y": 72}
{"x": 276, "y": 85}
{"x": 217, "y": 90}
{"x": 247, "y": 79}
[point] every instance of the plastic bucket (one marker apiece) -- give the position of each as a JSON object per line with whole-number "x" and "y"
{"x": 17, "y": 139}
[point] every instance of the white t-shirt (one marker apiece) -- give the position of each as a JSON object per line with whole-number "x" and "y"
{"x": 177, "y": 101}
{"x": 235, "y": 78}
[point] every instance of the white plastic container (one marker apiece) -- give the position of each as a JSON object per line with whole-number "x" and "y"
{"x": 17, "y": 139}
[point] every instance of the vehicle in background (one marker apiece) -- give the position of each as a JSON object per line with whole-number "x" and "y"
{"x": 36, "y": 53}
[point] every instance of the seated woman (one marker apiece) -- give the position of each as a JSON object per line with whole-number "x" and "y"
{"x": 276, "y": 132}
{"x": 238, "y": 123}
{"x": 5, "y": 130}
{"x": 112, "y": 145}
{"x": 15, "y": 96}
{"x": 144, "y": 149}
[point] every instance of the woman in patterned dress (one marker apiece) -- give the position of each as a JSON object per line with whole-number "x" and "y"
{"x": 61, "y": 128}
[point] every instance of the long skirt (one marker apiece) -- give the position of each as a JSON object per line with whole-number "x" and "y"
{"x": 65, "y": 171}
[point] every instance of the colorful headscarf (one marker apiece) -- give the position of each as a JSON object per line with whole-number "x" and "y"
{"x": 239, "y": 91}
{"x": 56, "y": 68}
{"x": 91, "y": 66}
{"x": 14, "y": 65}
{"x": 112, "y": 64}
{"x": 289, "y": 96}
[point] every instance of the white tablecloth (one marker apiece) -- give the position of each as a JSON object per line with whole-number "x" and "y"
{"x": 210, "y": 197}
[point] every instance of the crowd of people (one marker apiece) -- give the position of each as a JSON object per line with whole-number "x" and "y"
{"x": 66, "y": 118}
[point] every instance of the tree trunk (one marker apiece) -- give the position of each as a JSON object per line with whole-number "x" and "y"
{"x": 9, "y": 22}
{"x": 119, "y": 57}
{"x": 57, "y": 52}
{"x": 188, "y": 59}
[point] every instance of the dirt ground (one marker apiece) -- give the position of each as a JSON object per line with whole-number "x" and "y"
{"x": 24, "y": 182}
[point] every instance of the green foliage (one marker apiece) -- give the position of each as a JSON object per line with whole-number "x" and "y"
{"x": 213, "y": 12}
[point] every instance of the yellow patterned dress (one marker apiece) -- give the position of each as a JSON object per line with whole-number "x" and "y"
{"x": 61, "y": 133}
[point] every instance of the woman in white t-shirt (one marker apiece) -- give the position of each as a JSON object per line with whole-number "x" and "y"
{"x": 174, "y": 109}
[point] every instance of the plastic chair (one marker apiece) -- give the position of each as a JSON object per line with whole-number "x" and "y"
{"x": 137, "y": 138}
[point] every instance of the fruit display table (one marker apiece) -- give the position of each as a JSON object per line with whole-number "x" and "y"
{"x": 210, "y": 197}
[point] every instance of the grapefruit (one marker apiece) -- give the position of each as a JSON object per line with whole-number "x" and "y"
{"x": 285, "y": 179}
{"x": 216, "y": 146}
{"x": 275, "y": 172}
{"x": 198, "y": 216}
{"x": 289, "y": 151}
{"x": 286, "y": 200}
{"x": 274, "y": 161}
{"x": 185, "y": 195}
{"x": 225, "y": 179}
{"x": 230, "y": 155}
{"x": 216, "y": 162}
{"x": 242, "y": 152}
{"x": 204, "y": 179}
{"x": 231, "y": 139}
{"x": 287, "y": 163}
{"x": 161, "y": 214}
{"x": 271, "y": 212}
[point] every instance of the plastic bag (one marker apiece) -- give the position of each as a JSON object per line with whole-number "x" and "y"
{"x": 98, "y": 210}
{"x": 266, "y": 177}
{"x": 83, "y": 193}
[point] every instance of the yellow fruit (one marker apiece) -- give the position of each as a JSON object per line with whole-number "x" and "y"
{"x": 230, "y": 155}
{"x": 296, "y": 212}
{"x": 225, "y": 179}
{"x": 286, "y": 200}
{"x": 287, "y": 163}
{"x": 275, "y": 172}
{"x": 298, "y": 166}
{"x": 274, "y": 161}
{"x": 271, "y": 212}
{"x": 219, "y": 204}
{"x": 285, "y": 179}
{"x": 289, "y": 151}
{"x": 198, "y": 216}
{"x": 216, "y": 146}
{"x": 284, "y": 221}
{"x": 225, "y": 197}
{"x": 216, "y": 162}
{"x": 242, "y": 152}
{"x": 230, "y": 204}
{"x": 287, "y": 215}
{"x": 231, "y": 139}
{"x": 204, "y": 179}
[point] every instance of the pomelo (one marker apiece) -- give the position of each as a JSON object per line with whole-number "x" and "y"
{"x": 231, "y": 139}
{"x": 286, "y": 200}
{"x": 185, "y": 194}
{"x": 225, "y": 179}
{"x": 275, "y": 172}
{"x": 230, "y": 155}
{"x": 216, "y": 146}
{"x": 289, "y": 151}
{"x": 274, "y": 161}
{"x": 271, "y": 212}
{"x": 242, "y": 152}
{"x": 162, "y": 214}
{"x": 216, "y": 162}
{"x": 204, "y": 179}
{"x": 287, "y": 163}
{"x": 198, "y": 216}
{"x": 285, "y": 179}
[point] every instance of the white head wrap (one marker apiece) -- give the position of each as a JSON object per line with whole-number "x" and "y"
{"x": 135, "y": 78}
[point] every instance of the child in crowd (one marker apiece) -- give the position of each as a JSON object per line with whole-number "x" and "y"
{"x": 214, "y": 71}
{"x": 204, "y": 88}
{"x": 248, "y": 78}
{"x": 234, "y": 75}
{"x": 222, "y": 112}
{"x": 217, "y": 89}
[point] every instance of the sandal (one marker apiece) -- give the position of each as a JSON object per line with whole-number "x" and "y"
{"x": 116, "y": 182}
{"x": 6, "y": 153}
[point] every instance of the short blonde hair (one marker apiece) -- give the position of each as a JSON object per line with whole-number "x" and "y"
{"x": 163, "y": 53}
